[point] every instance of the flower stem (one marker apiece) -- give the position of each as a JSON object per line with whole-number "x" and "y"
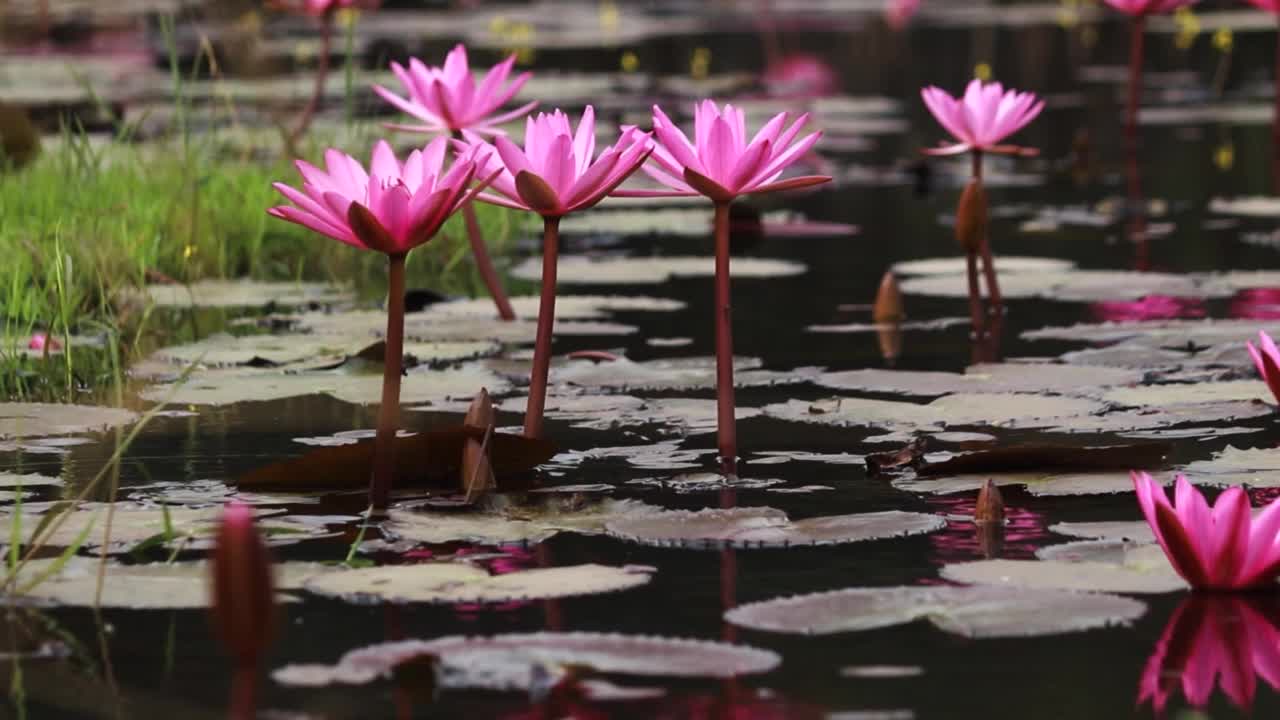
{"x": 322, "y": 74}
{"x": 1136, "y": 42}
{"x": 546, "y": 324}
{"x": 384, "y": 450}
{"x": 975, "y": 295}
{"x": 244, "y": 692}
{"x": 988, "y": 259}
{"x": 484, "y": 264}
{"x": 726, "y": 419}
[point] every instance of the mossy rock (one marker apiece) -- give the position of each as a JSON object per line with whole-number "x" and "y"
{"x": 19, "y": 138}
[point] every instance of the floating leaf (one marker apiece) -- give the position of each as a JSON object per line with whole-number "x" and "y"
{"x": 508, "y": 662}
{"x": 1012, "y": 410}
{"x": 670, "y": 374}
{"x": 988, "y": 378}
{"x": 1076, "y": 285}
{"x": 426, "y": 458}
{"x": 766, "y": 527}
{"x": 974, "y": 612}
{"x": 705, "y": 482}
{"x": 451, "y": 583}
{"x": 1258, "y": 467}
{"x": 1159, "y": 333}
{"x": 1144, "y": 570}
{"x": 582, "y": 270}
{"x": 1163, "y": 396}
{"x": 956, "y": 265}
{"x": 228, "y": 350}
{"x": 19, "y": 480}
{"x": 1038, "y": 483}
{"x": 499, "y": 520}
{"x": 568, "y": 307}
{"x": 28, "y": 420}
{"x": 245, "y": 293}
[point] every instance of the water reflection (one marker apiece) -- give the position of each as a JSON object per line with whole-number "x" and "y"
{"x": 1215, "y": 640}
{"x": 1256, "y": 304}
{"x": 1152, "y": 307}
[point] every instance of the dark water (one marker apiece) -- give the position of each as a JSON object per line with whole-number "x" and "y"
{"x": 166, "y": 664}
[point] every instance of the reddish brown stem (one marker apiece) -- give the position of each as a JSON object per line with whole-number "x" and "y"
{"x": 546, "y": 324}
{"x": 384, "y": 452}
{"x": 975, "y": 295}
{"x": 244, "y": 692}
{"x": 1136, "y": 43}
{"x": 484, "y": 264}
{"x": 988, "y": 259}
{"x": 726, "y": 419}
{"x": 322, "y": 75}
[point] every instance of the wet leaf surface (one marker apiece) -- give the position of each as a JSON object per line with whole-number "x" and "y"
{"x": 33, "y": 420}
{"x": 765, "y": 527}
{"x": 245, "y": 293}
{"x": 501, "y": 520}
{"x": 580, "y": 270}
{"x": 1142, "y": 570}
{"x": 451, "y": 583}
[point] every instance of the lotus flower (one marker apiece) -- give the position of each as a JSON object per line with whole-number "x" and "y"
{"x": 984, "y": 116}
{"x": 242, "y": 600}
{"x": 447, "y": 98}
{"x": 557, "y": 171}
{"x": 899, "y": 12}
{"x": 722, "y": 164}
{"x": 1148, "y": 7}
{"x": 1213, "y": 640}
{"x": 1271, "y": 6}
{"x": 393, "y": 207}
{"x": 321, "y": 8}
{"x": 1223, "y": 548}
{"x": 1266, "y": 357}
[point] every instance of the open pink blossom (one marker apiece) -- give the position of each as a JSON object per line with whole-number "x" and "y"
{"x": 557, "y": 171}
{"x": 320, "y": 8}
{"x": 722, "y": 164}
{"x": 899, "y": 12}
{"x": 1266, "y": 357}
{"x": 447, "y": 98}
{"x": 984, "y": 116}
{"x": 1213, "y": 641}
{"x": 1148, "y": 7}
{"x": 1223, "y": 548}
{"x": 1271, "y": 6}
{"x": 392, "y": 208}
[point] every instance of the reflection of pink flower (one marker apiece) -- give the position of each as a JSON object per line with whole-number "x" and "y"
{"x": 1148, "y": 7}
{"x": 1214, "y": 640}
{"x": 320, "y": 8}
{"x": 1152, "y": 307}
{"x": 1223, "y": 548}
{"x": 800, "y": 76}
{"x": 981, "y": 118}
{"x": 1256, "y": 304}
{"x": 962, "y": 540}
{"x": 41, "y": 341}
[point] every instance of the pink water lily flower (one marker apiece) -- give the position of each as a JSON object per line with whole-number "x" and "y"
{"x": 321, "y": 8}
{"x": 557, "y": 172}
{"x": 1266, "y": 357}
{"x": 1223, "y": 548}
{"x": 1271, "y": 6}
{"x": 447, "y": 98}
{"x": 392, "y": 208}
{"x": 985, "y": 115}
{"x": 1148, "y": 7}
{"x": 722, "y": 163}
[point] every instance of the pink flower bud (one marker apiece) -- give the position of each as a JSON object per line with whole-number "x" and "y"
{"x": 242, "y": 586}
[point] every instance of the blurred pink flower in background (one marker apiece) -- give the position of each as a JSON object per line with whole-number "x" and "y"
{"x": 1256, "y": 304}
{"x": 1152, "y": 307}
{"x": 447, "y": 98}
{"x": 800, "y": 76}
{"x": 1148, "y": 7}
{"x": 320, "y": 8}
{"x": 898, "y": 13}
{"x": 557, "y": 171}
{"x": 1211, "y": 641}
{"x": 985, "y": 115}
{"x": 42, "y": 341}
{"x": 391, "y": 208}
{"x": 1266, "y": 358}
{"x": 1223, "y": 548}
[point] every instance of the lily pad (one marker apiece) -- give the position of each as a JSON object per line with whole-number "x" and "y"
{"x": 671, "y": 374}
{"x": 452, "y": 583}
{"x": 973, "y": 612}
{"x": 1077, "y": 285}
{"x": 501, "y": 521}
{"x": 568, "y": 307}
{"x": 583, "y": 270}
{"x": 1165, "y": 395}
{"x": 1012, "y": 410}
{"x": 705, "y": 482}
{"x": 988, "y": 378}
{"x": 1006, "y": 263}
{"x": 227, "y": 350}
{"x": 245, "y": 293}
{"x": 425, "y": 327}
{"x": 1041, "y": 484}
{"x": 1258, "y": 467}
{"x": 508, "y": 662}
{"x": 1144, "y": 570}
{"x": 14, "y": 481}
{"x": 28, "y": 420}
{"x": 765, "y": 527}
{"x": 1174, "y": 334}
{"x": 420, "y": 385}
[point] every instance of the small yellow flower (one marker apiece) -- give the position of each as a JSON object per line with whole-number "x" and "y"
{"x": 1224, "y": 157}
{"x": 700, "y": 63}
{"x": 982, "y": 71}
{"x": 630, "y": 61}
{"x": 188, "y": 251}
{"x": 346, "y": 17}
{"x": 1224, "y": 40}
{"x": 609, "y": 16}
{"x": 1188, "y": 27}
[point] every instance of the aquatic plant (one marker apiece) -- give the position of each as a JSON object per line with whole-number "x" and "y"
{"x": 1223, "y": 548}
{"x": 722, "y": 165}
{"x": 898, "y": 13}
{"x": 448, "y": 101}
{"x": 1139, "y": 10}
{"x": 555, "y": 174}
{"x": 242, "y": 599}
{"x": 1266, "y": 357}
{"x": 980, "y": 120}
{"x": 1212, "y": 640}
{"x": 392, "y": 209}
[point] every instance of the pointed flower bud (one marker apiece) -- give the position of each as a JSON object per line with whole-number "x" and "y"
{"x": 990, "y": 507}
{"x": 971, "y": 217}
{"x": 242, "y": 586}
{"x": 888, "y": 307}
